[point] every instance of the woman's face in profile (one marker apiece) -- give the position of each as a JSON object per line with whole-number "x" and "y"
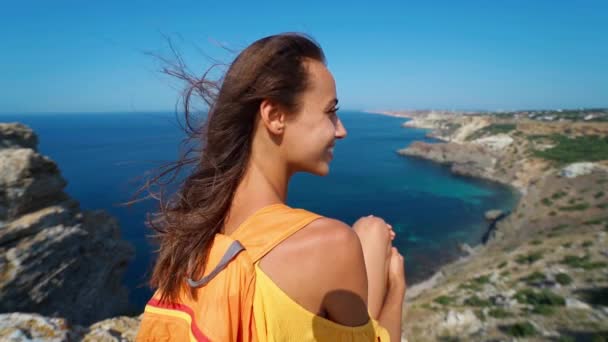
{"x": 311, "y": 133}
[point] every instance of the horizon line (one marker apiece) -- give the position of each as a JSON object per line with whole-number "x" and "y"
{"x": 375, "y": 110}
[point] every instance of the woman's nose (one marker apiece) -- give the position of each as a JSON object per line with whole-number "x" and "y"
{"x": 340, "y": 130}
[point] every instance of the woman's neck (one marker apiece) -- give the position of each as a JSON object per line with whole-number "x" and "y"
{"x": 264, "y": 183}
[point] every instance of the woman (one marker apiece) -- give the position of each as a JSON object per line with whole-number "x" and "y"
{"x": 274, "y": 114}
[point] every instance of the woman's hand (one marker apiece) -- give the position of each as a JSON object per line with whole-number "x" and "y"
{"x": 376, "y": 223}
{"x": 371, "y": 220}
{"x": 376, "y": 240}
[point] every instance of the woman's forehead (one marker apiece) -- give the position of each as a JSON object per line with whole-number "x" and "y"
{"x": 321, "y": 80}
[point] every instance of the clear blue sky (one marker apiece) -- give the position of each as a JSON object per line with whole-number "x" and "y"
{"x": 71, "y": 56}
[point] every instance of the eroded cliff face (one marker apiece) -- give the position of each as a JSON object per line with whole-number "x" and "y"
{"x": 497, "y": 149}
{"x": 55, "y": 259}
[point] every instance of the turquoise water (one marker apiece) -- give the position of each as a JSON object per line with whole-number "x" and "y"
{"x": 101, "y": 156}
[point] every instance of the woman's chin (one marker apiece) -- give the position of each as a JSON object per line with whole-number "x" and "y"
{"x": 322, "y": 170}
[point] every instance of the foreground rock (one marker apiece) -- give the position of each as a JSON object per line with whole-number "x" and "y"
{"x": 20, "y": 327}
{"x": 55, "y": 259}
{"x": 17, "y": 135}
{"x": 28, "y": 327}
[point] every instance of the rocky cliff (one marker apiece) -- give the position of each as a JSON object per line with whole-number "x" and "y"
{"x": 543, "y": 273}
{"x": 55, "y": 259}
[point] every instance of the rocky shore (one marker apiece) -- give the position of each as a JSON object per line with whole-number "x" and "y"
{"x": 542, "y": 275}
{"x": 61, "y": 268}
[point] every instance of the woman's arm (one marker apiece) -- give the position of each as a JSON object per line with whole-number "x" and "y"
{"x": 392, "y": 310}
{"x": 322, "y": 268}
{"x": 346, "y": 296}
{"x": 376, "y": 241}
{"x": 331, "y": 272}
{"x": 343, "y": 270}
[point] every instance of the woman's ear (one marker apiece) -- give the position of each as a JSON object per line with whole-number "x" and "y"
{"x": 272, "y": 116}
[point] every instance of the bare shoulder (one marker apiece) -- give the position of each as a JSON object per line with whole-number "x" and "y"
{"x": 322, "y": 268}
{"x": 341, "y": 266}
{"x": 326, "y": 244}
{"x": 334, "y": 239}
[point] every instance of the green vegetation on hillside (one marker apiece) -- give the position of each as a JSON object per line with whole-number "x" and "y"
{"x": 444, "y": 300}
{"x": 476, "y": 301}
{"x": 535, "y": 277}
{"x": 543, "y": 297}
{"x": 523, "y": 329}
{"x": 583, "y": 262}
{"x": 529, "y": 258}
{"x": 563, "y": 279}
{"x": 570, "y": 150}
{"x": 575, "y": 207}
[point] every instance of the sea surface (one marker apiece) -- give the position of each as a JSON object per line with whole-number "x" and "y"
{"x": 104, "y": 155}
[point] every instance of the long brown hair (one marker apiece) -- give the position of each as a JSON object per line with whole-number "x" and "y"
{"x": 185, "y": 225}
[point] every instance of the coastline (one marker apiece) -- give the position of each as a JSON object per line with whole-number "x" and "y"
{"x": 417, "y": 288}
{"x": 395, "y": 114}
{"x": 561, "y": 205}
{"x": 553, "y": 242}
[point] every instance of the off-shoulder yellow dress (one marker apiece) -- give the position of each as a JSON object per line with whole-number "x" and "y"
{"x": 280, "y": 318}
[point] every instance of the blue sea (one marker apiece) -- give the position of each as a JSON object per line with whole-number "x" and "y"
{"x": 102, "y": 156}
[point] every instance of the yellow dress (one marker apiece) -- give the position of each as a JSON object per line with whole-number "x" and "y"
{"x": 240, "y": 302}
{"x": 280, "y": 318}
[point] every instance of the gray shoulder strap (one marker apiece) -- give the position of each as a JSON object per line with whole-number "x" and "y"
{"x": 235, "y": 248}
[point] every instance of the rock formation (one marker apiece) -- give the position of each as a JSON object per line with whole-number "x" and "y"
{"x": 22, "y": 327}
{"x": 542, "y": 272}
{"x": 55, "y": 259}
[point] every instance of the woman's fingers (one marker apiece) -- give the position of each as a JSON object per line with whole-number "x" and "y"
{"x": 391, "y": 231}
{"x": 397, "y": 270}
